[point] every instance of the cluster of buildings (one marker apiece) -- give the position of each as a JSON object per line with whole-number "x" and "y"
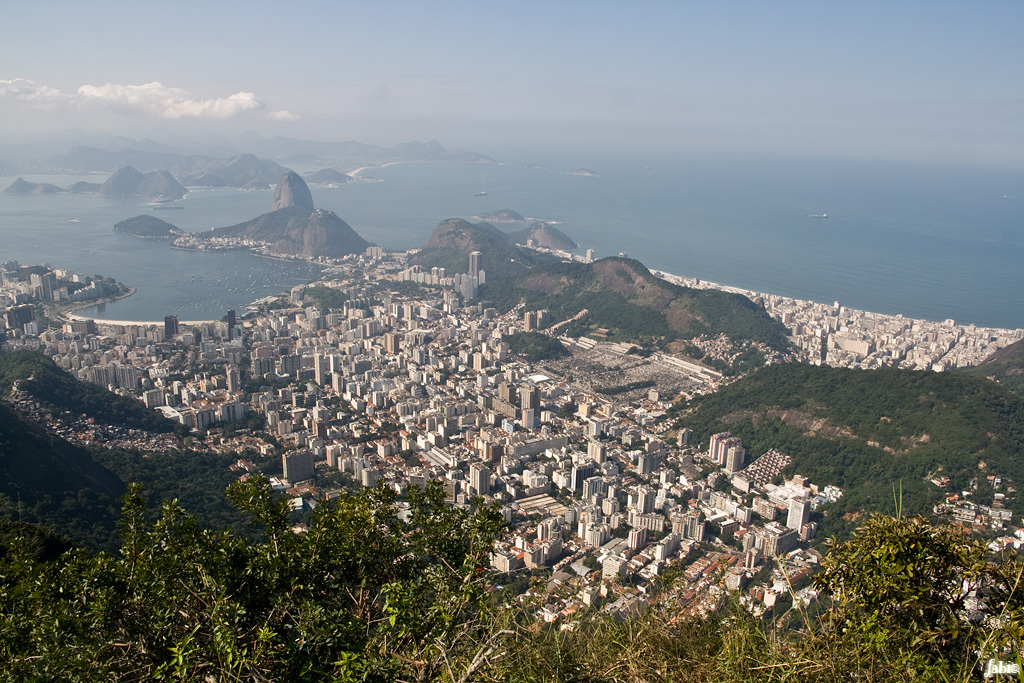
{"x": 832, "y": 334}
{"x": 401, "y": 386}
{"x": 23, "y": 289}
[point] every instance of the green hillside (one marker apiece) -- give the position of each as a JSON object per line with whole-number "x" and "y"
{"x": 40, "y": 377}
{"x": 870, "y": 431}
{"x": 453, "y": 239}
{"x": 623, "y": 299}
{"x": 46, "y": 480}
{"x": 626, "y": 302}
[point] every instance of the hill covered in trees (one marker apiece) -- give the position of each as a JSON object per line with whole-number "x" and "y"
{"x": 75, "y": 490}
{"x": 454, "y": 239}
{"x": 877, "y": 434}
{"x": 39, "y": 376}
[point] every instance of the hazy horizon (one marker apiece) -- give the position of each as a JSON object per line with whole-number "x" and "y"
{"x": 908, "y": 81}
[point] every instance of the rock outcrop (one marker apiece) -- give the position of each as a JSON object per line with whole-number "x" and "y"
{"x": 544, "y": 235}
{"x": 292, "y": 191}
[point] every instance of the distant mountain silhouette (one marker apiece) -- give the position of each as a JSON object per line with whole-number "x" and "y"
{"x": 127, "y": 182}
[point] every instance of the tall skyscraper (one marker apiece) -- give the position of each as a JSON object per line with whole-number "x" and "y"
{"x": 234, "y": 381}
{"x": 170, "y": 326}
{"x": 480, "y": 479}
{"x": 799, "y": 513}
{"x": 231, "y": 321}
{"x": 297, "y": 466}
{"x": 474, "y": 262}
{"x": 735, "y": 457}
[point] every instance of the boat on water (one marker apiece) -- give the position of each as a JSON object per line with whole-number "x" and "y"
{"x": 819, "y": 215}
{"x": 481, "y": 194}
{"x": 72, "y": 220}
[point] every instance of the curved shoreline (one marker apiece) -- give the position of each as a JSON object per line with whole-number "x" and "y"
{"x": 71, "y": 314}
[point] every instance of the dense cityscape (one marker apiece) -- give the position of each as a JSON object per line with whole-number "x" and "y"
{"x": 383, "y": 374}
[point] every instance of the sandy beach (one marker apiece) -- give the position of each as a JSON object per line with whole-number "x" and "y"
{"x": 137, "y": 323}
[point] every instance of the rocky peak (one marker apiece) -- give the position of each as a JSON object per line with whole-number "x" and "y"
{"x": 292, "y": 191}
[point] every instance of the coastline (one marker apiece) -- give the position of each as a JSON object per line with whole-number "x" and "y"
{"x": 751, "y": 294}
{"x": 355, "y": 172}
{"x": 137, "y": 323}
{"x": 69, "y": 312}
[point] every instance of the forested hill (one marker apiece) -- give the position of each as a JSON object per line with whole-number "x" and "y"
{"x": 46, "y": 480}
{"x": 39, "y": 376}
{"x": 622, "y": 296}
{"x": 873, "y": 431}
{"x": 453, "y": 239}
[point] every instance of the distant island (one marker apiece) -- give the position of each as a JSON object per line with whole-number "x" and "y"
{"x": 22, "y": 186}
{"x": 157, "y": 185}
{"x": 501, "y": 216}
{"x": 293, "y": 227}
{"x": 329, "y": 176}
{"x": 583, "y": 172}
{"x": 149, "y": 227}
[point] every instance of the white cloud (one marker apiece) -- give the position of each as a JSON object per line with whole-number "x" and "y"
{"x": 283, "y": 115}
{"x": 166, "y": 102}
{"x": 24, "y": 90}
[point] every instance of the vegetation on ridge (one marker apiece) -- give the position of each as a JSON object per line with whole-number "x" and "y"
{"x": 368, "y": 594}
{"x": 39, "y": 376}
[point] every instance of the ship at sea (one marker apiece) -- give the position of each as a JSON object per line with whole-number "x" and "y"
{"x": 481, "y": 194}
{"x": 819, "y": 215}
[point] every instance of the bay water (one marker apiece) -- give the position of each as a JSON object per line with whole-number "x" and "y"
{"x": 921, "y": 240}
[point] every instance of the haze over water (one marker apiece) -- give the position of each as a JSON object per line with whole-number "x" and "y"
{"x": 923, "y": 241}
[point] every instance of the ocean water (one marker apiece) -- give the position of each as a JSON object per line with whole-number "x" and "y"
{"x": 925, "y": 241}
{"x": 190, "y": 284}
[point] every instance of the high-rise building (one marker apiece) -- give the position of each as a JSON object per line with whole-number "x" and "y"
{"x": 719, "y": 446}
{"x": 170, "y": 326}
{"x": 474, "y": 262}
{"x": 647, "y": 463}
{"x": 593, "y": 486}
{"x": 480, "y": 479}
{"x": 735, "y": 457}
{"x": 18, "y": 316}
{"x": 231, "y": 321}
{"x": 298, "y": 466}
{"x": 234, "y": 382}
{"x": 693, "y": 526}
{"x": 321, "y": 369}
{"x": 641, "y": 499}
{"x": 799, "y": 513}
{"x": 529, "y": 398}
{"x": 579, "y": 474}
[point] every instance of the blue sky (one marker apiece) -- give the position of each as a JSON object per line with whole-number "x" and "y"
{"x": 934, "y": 81}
